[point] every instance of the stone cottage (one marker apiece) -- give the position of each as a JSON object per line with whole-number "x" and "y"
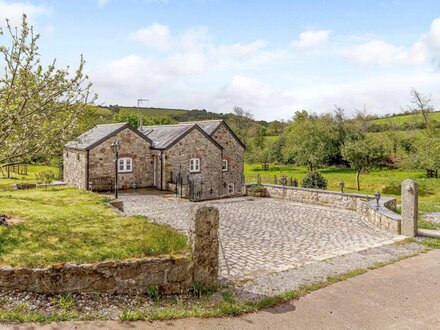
{"x": 199, "y": 160}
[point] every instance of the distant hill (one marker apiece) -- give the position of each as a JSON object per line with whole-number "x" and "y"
{"x": 401, "y": 121}
{"x": 176, "y": 114}
{"x": 153, "y": 112}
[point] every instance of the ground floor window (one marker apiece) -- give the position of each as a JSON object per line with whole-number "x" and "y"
{"x": 125, "y": 165}
{"x": 231, "y": 188}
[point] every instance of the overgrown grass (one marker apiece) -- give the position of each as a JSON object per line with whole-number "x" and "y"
{"x": 67, "y": 224}
{"x": 386, "y": 181}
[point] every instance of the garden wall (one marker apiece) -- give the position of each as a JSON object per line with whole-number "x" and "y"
{"x": 171, "y": 275}
{"x": 381, "y": 216}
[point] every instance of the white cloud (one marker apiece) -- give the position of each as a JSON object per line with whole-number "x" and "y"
{"x": 382, "y": 53}
{"x": 432, "y": 40}
{"x": 14, "y": 12}
{"x": 380, "y": 94}
{"x": 252, "y": 94}
{"x": 311, "y": 39}
{"x": 155, "y": 36}
{"x": 185, "y": 56}
{"x": 102, "y": 3}
{"x": 239, "y": 50}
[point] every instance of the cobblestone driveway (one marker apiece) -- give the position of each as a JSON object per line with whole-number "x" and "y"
{"x": 260, "y": 235}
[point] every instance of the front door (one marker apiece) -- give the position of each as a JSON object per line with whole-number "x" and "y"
{"x": 155, "y": 171}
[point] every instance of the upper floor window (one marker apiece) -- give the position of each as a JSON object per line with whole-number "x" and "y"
{"x": 225, "y": 165}
{"x": 194, "y": 165}
{"x": 125, "y": 165}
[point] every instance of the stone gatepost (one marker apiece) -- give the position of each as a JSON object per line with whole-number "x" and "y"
{"x": 409, "y": 194}
{"x": 205, "y": 245}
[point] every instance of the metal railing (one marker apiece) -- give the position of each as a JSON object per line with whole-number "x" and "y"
{"x": 272, "y": 179}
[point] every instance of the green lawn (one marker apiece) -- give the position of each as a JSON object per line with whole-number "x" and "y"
{"x": 6, "y": 183}
{"x": 386, "y": 181}
{"x": 67, "y": 224}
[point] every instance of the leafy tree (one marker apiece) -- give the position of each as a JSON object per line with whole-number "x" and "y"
{"x": 427, "y": 152}
{"x": 114, "y": 108}
{"x": 241, "y": 122}
{"x": 363, "y": 154}
{"x": 259, "y": 139}
{"x": 276, "y": 127}
{"x": 127, "y": 116}
{"x": 40, "y": 108}
{"x": 310, "y": 140}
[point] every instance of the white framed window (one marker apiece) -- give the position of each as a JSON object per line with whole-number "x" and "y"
{"x": 125, "y": 165}
{"x": 231, "y": 188}
{"x": 225, "y": 165}
{"x": 194, "y": 165}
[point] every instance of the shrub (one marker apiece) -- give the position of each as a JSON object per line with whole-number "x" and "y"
{"x": 45, "y": 177}
{"x": 257, "y": 186}
{"x": 314, "y": 180}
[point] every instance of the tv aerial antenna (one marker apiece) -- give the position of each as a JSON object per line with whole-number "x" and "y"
{"x": 140, "y": 101}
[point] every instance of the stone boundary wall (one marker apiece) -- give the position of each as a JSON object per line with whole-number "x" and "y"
{"x": 171, "y": 275}
{"x": 381, "y": 216}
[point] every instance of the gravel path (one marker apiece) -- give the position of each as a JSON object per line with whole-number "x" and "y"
{"x": 276, "y": 283}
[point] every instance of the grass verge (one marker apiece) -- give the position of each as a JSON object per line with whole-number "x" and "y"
{"x": 206, "y": 305}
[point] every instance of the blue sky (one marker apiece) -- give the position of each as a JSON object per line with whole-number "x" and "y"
{"x": 270, "y": 57}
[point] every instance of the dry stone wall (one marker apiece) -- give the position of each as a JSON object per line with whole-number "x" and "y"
{"x": 169, "y": 275}
{"x": 379, "y": 215}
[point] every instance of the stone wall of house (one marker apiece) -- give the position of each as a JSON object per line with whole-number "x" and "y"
{"x": 171, "y": 275}
{"x": 195, "y": 145}
{"x": 102, "y": 162}
{"x": 75, "y": 168}
{"x": 233, "y": 152}
{"x": 381, "y": 215}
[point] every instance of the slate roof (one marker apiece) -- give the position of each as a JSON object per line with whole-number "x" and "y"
{"x": 164, "y": 135}
{"x": 209, "y": 126}
{"x": 160, "y": 137}
{"x": 100, "y": 132}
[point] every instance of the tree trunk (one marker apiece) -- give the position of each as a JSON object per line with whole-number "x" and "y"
{"x": 358, "y": 184}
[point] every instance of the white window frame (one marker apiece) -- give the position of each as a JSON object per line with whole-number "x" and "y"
{"x": 194, "y": 165}
{"x": 127, "y": 165}
{"x": 225, "y": 162}
{"x": 231, "y": 191}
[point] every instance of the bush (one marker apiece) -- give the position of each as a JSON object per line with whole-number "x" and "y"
{"x": 45, "y": 177}
{"x": 314, "y": 180}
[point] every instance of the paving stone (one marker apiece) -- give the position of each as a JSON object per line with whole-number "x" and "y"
{"x": 263, "y": 235}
